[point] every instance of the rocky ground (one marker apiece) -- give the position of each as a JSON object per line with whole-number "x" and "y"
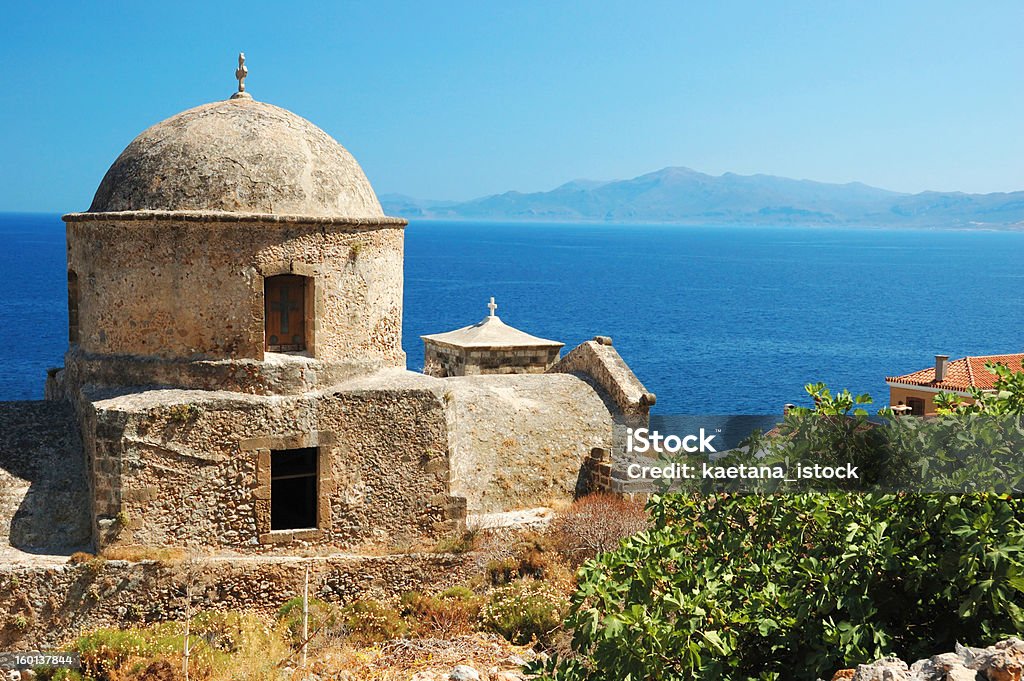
{"x": 1002, "y": 662}
{"x": 472, "y": 657}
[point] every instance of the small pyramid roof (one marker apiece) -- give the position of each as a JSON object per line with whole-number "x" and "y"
{"x": 488, "y": 333}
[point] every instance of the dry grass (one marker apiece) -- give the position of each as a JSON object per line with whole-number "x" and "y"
{"x": 134, "y": 554}
{"x": 400, "y": 658}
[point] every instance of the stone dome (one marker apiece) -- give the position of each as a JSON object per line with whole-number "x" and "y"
{"x": 237, "y": 156}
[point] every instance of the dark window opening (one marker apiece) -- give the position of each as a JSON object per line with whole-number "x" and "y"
{"x": 285, "y": 313}
{"x": 916, "y": 405}
{"x": 72, "y": 307}
{"x": 293, "y": 489}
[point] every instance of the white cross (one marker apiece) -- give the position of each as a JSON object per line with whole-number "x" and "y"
{"x": 492, "y": 306}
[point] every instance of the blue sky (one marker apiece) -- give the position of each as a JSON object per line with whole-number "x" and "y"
{"x": 462, "y": 99}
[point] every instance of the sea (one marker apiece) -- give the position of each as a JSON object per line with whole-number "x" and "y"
{"x": 714, "y": 320}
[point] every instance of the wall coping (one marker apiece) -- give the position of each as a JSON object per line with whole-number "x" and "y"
{"x": 225, "y": 216}
{"x": 603, "y": 364}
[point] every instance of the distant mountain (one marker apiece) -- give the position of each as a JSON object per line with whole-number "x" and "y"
{"x": 684, "y": 196}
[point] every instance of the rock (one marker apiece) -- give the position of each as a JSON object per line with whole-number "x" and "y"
{"x": 967, "y": 654}
{"x": 843, "y": 675}
{"x": 944, "y": 667}
{"x": 961, "y": 674}
{"x": 506, "y": 676}
{"x": 424, "y": 676}
{"x": 464, "y": 673}
{"x": 887, "y": 669}
{"x": 1002, "y": 662}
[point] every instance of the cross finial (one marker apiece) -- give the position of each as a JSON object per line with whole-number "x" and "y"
{"x": 492, "y": 306}
{"x": 240, "y": 73}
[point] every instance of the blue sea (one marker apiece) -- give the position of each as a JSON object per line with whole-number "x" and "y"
{"x": 714, "y": 320}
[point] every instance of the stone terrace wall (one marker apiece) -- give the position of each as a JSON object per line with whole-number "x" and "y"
{"x": 44, "y": 495}
{"x": 55, "y": 603}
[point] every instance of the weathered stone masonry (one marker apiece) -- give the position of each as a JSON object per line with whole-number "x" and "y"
{"x": 191, "y": 468}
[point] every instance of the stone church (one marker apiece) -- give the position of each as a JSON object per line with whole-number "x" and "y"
{"x": 235, "y": 365}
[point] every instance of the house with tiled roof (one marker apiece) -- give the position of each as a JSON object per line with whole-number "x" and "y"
{"x": 917, "y": 390}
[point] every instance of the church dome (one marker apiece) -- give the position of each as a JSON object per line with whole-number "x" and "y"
{"x": 237, "y": 156}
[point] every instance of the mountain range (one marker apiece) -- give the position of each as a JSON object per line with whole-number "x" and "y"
{"x": 684, "y": 196}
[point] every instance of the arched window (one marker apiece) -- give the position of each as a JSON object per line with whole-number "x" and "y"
{"x": 285, "y": 313}
{"x": 72, "y": 307}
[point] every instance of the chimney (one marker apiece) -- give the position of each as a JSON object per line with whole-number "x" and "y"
{"x": 941, "y": 362}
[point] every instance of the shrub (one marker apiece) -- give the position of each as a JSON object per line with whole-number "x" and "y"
{"x": 532, "y": 556}
{"x": 524, "y": 611}
{"x": 183, "y": 413}
{"x": 105, "y": 651}
{"x": 368, "y": 621}
{"x": 220, "y": 644}
{"x": 449, "y": 613}
{"x": 460, "y": 542}
{"x": 322, "y": 616}
{"x": 502, "y": 571}
{"x": 794, "y": 586}
{"x": 596, "y": 523}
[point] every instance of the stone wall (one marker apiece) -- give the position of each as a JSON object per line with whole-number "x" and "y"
{"x": 601, "y": 363}
{"x": 46, "y": 607}
{"x": 596, "y": 472}
{"x": 189, "y": 468}
{"x": 198, "y": 293}
{"x": 520, "y": 441}
{"x": 280, "y": 374}
{"x": 44, "y": 495}
{"x": 445, "y": 360}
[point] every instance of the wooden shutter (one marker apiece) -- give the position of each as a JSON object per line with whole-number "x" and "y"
{"x": 285, "y": 310}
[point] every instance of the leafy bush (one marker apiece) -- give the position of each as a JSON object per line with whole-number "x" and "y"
{"x": 524, "y": 610}
{"x": 596, "y": 523}
{"x": 793, "y": 587}
{"x": 368, "y": 621}
{"x": 1006, "y": 398}
{"x": 966, "y": 448}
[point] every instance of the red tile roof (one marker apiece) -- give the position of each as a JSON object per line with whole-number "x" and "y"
{"x": 961, "y": 374}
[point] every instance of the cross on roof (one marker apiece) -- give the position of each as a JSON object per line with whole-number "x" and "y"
{"x": 241, "y": 72}
{"x": 492, "y": 306}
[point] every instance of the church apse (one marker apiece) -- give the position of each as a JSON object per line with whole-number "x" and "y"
{"x": 238, "y": 373}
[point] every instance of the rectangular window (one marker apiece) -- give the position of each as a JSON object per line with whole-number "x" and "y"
{"x": 285, "y": 313}
{"x": 916, "y": 405}
{"x": 72, "y": 307}
{"x": 293, "y": 489}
